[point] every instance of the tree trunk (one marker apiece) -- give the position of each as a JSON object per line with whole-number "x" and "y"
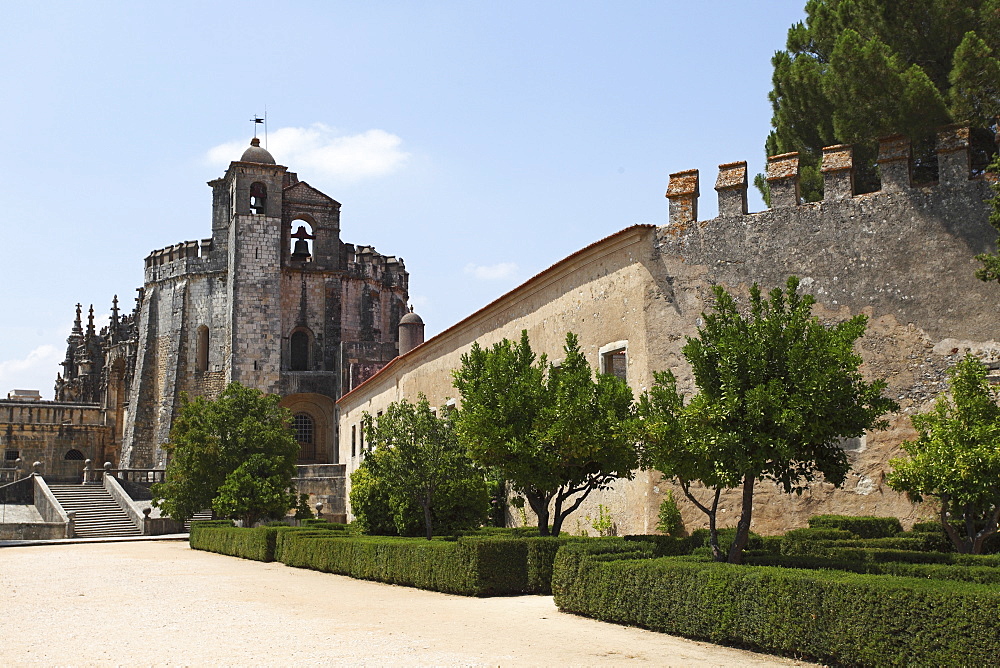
{"x": 713, "y": 531}
{"x": 427, "y": 519}
{"x": 960, "y": 545}
{"x": 540, "y": 505}
{"x": 743, "y": 527}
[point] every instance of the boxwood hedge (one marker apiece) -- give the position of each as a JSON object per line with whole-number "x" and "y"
{"x": 833, "y": 616}
{"x": 864, "y": 527}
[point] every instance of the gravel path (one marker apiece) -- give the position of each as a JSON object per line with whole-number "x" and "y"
{"x": 161, "y": 603}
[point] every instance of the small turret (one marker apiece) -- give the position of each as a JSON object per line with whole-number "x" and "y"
{"x": 411, "y": 332}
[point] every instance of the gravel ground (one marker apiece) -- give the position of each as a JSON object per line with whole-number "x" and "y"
{"x": 161, "y": 603}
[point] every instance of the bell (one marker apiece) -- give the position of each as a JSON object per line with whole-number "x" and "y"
{"x": 301, "y": 252}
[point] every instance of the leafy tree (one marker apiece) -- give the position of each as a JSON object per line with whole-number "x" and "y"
{"x": 777, "y": 391}
{"x": 855, "y": 70}
{"x": 956, "y": 458}
{"x": 235, "y": 454}
{"x": 555, "y": 433}
{"x": 416, "y": 462}
{"x": 990, "y": 271}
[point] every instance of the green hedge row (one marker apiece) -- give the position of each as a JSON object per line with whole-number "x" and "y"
{"x": 478, "y": 565}
{"x": 936, "y": 571}
{"x": 469, "y": 566}
{"x": 832, "y": 616}
{"x": 864, "y": 527}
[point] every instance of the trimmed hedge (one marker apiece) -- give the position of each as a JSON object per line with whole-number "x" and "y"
{"x": 470, "y": 566}
{"x": 819, "y": 534}
{"x": 256, "y": 544}
{"x": 832, "y": 616}
{"x": 919, "y": 542}
{"x": 939, "y": 571}
{"x": 864, "y": 527}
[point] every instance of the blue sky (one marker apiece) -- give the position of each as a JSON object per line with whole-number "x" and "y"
{"x": 481, "y": 142}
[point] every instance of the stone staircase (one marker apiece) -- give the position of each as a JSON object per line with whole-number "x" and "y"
{"x": 97, "y": 513}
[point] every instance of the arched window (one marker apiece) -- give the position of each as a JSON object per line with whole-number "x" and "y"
{"x": 301, "y": 240}
{"x": 298, "y": 349}
{"x": 258, "y": 197}
{"x": 74, "y": 455}
{"x": 304, "y": 428}
{"x": 202, "y": 356}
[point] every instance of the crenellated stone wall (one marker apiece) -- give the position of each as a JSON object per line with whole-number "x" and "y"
{"x": 903, "y": 256}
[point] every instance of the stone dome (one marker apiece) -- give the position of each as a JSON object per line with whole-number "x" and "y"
{"x": 411, "y": 319}
{"x": 257, "y": 154}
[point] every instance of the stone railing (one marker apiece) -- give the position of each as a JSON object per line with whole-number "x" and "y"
{"x": 49, "y": 507}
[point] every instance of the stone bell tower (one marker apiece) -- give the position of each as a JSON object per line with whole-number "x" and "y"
{"x": 253, "y": 185}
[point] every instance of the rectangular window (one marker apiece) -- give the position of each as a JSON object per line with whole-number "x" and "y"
{"x": 11, "y": 455}
{"x": 354, "y": 441}
{"x": 361, "y": 440}
{"x": 614, "y": 359}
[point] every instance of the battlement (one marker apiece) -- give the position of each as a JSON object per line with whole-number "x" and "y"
{"x": 895, "y": 168}
{"x": 181, "y": 258}
{"x": 367, "y": 262}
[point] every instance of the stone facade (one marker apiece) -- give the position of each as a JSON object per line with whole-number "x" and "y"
{"x": 904, "y": 256}
{"x": 273, "y": 299}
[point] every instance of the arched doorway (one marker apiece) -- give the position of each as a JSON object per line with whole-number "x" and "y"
{"x": 313, "y": 426}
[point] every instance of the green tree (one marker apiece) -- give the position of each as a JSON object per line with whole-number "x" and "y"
{"x": 956, "y": 458}
{"x": 855, "y": 70}
{"x": 555, "y": 433}
{"x": 235, "y": 454}
{"x": 416, "y": 463}
{"x": 777, "y": 392}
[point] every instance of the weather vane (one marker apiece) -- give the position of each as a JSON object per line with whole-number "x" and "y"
{"x": 256, "y": 120}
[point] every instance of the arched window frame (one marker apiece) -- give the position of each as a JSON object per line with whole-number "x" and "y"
{"x": 258, "y": 198}
{"x": 201, "y": 349}
{"x": 295, "y": 363}
{"x": 302, "y": 220}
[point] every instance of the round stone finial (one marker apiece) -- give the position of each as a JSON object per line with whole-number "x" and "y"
{"x": 147, "y": 511}
{"x": 319, "y": 508}
{"x": 107, "y": 466}
{"x": 257, "y": 154}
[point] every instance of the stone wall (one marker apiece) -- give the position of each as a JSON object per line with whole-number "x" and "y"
{"x": 47, "y": 432}
{"x": 903, "y": 256}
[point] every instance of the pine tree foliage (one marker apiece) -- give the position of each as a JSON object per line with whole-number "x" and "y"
{"x": 956, "y": 458}
{"x": 777, "y": 393}
{"x": 856, "y": 70}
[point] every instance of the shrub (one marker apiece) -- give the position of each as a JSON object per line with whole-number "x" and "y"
{"x": 670, "y": 521}
{"x": 256, "y": 544}
{"x": 936, "y": 571}
{"x": 664, "y": 546}
{"x": 833, "y": 616}
{"x": 819, "y": 534}
{"x": 864, "y": 527}
{"x": 472, "y": 566}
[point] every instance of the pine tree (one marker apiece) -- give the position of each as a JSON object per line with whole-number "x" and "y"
{"x": 855, "y": 70}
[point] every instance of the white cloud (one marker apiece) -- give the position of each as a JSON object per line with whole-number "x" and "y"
{"x": 37, "y": 371}
{"x": 492, "y": 272}
{"x": 319, "y": 151}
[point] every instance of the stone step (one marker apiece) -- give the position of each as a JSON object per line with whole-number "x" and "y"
{"x": 96, "y": 512}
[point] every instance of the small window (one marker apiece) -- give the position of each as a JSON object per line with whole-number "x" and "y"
{"x": 11, "y": 455}
{"x": 258, "y": 198}
{"x": 202, "y": 361}
{"x": 303, "y": 426}
{"x": 299, "y": 351}
{"x": 354, "y": 441}
{"x": 614, "y": 359}
{"x": 361, "y": 440}
{"x": 74, "y": 455}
